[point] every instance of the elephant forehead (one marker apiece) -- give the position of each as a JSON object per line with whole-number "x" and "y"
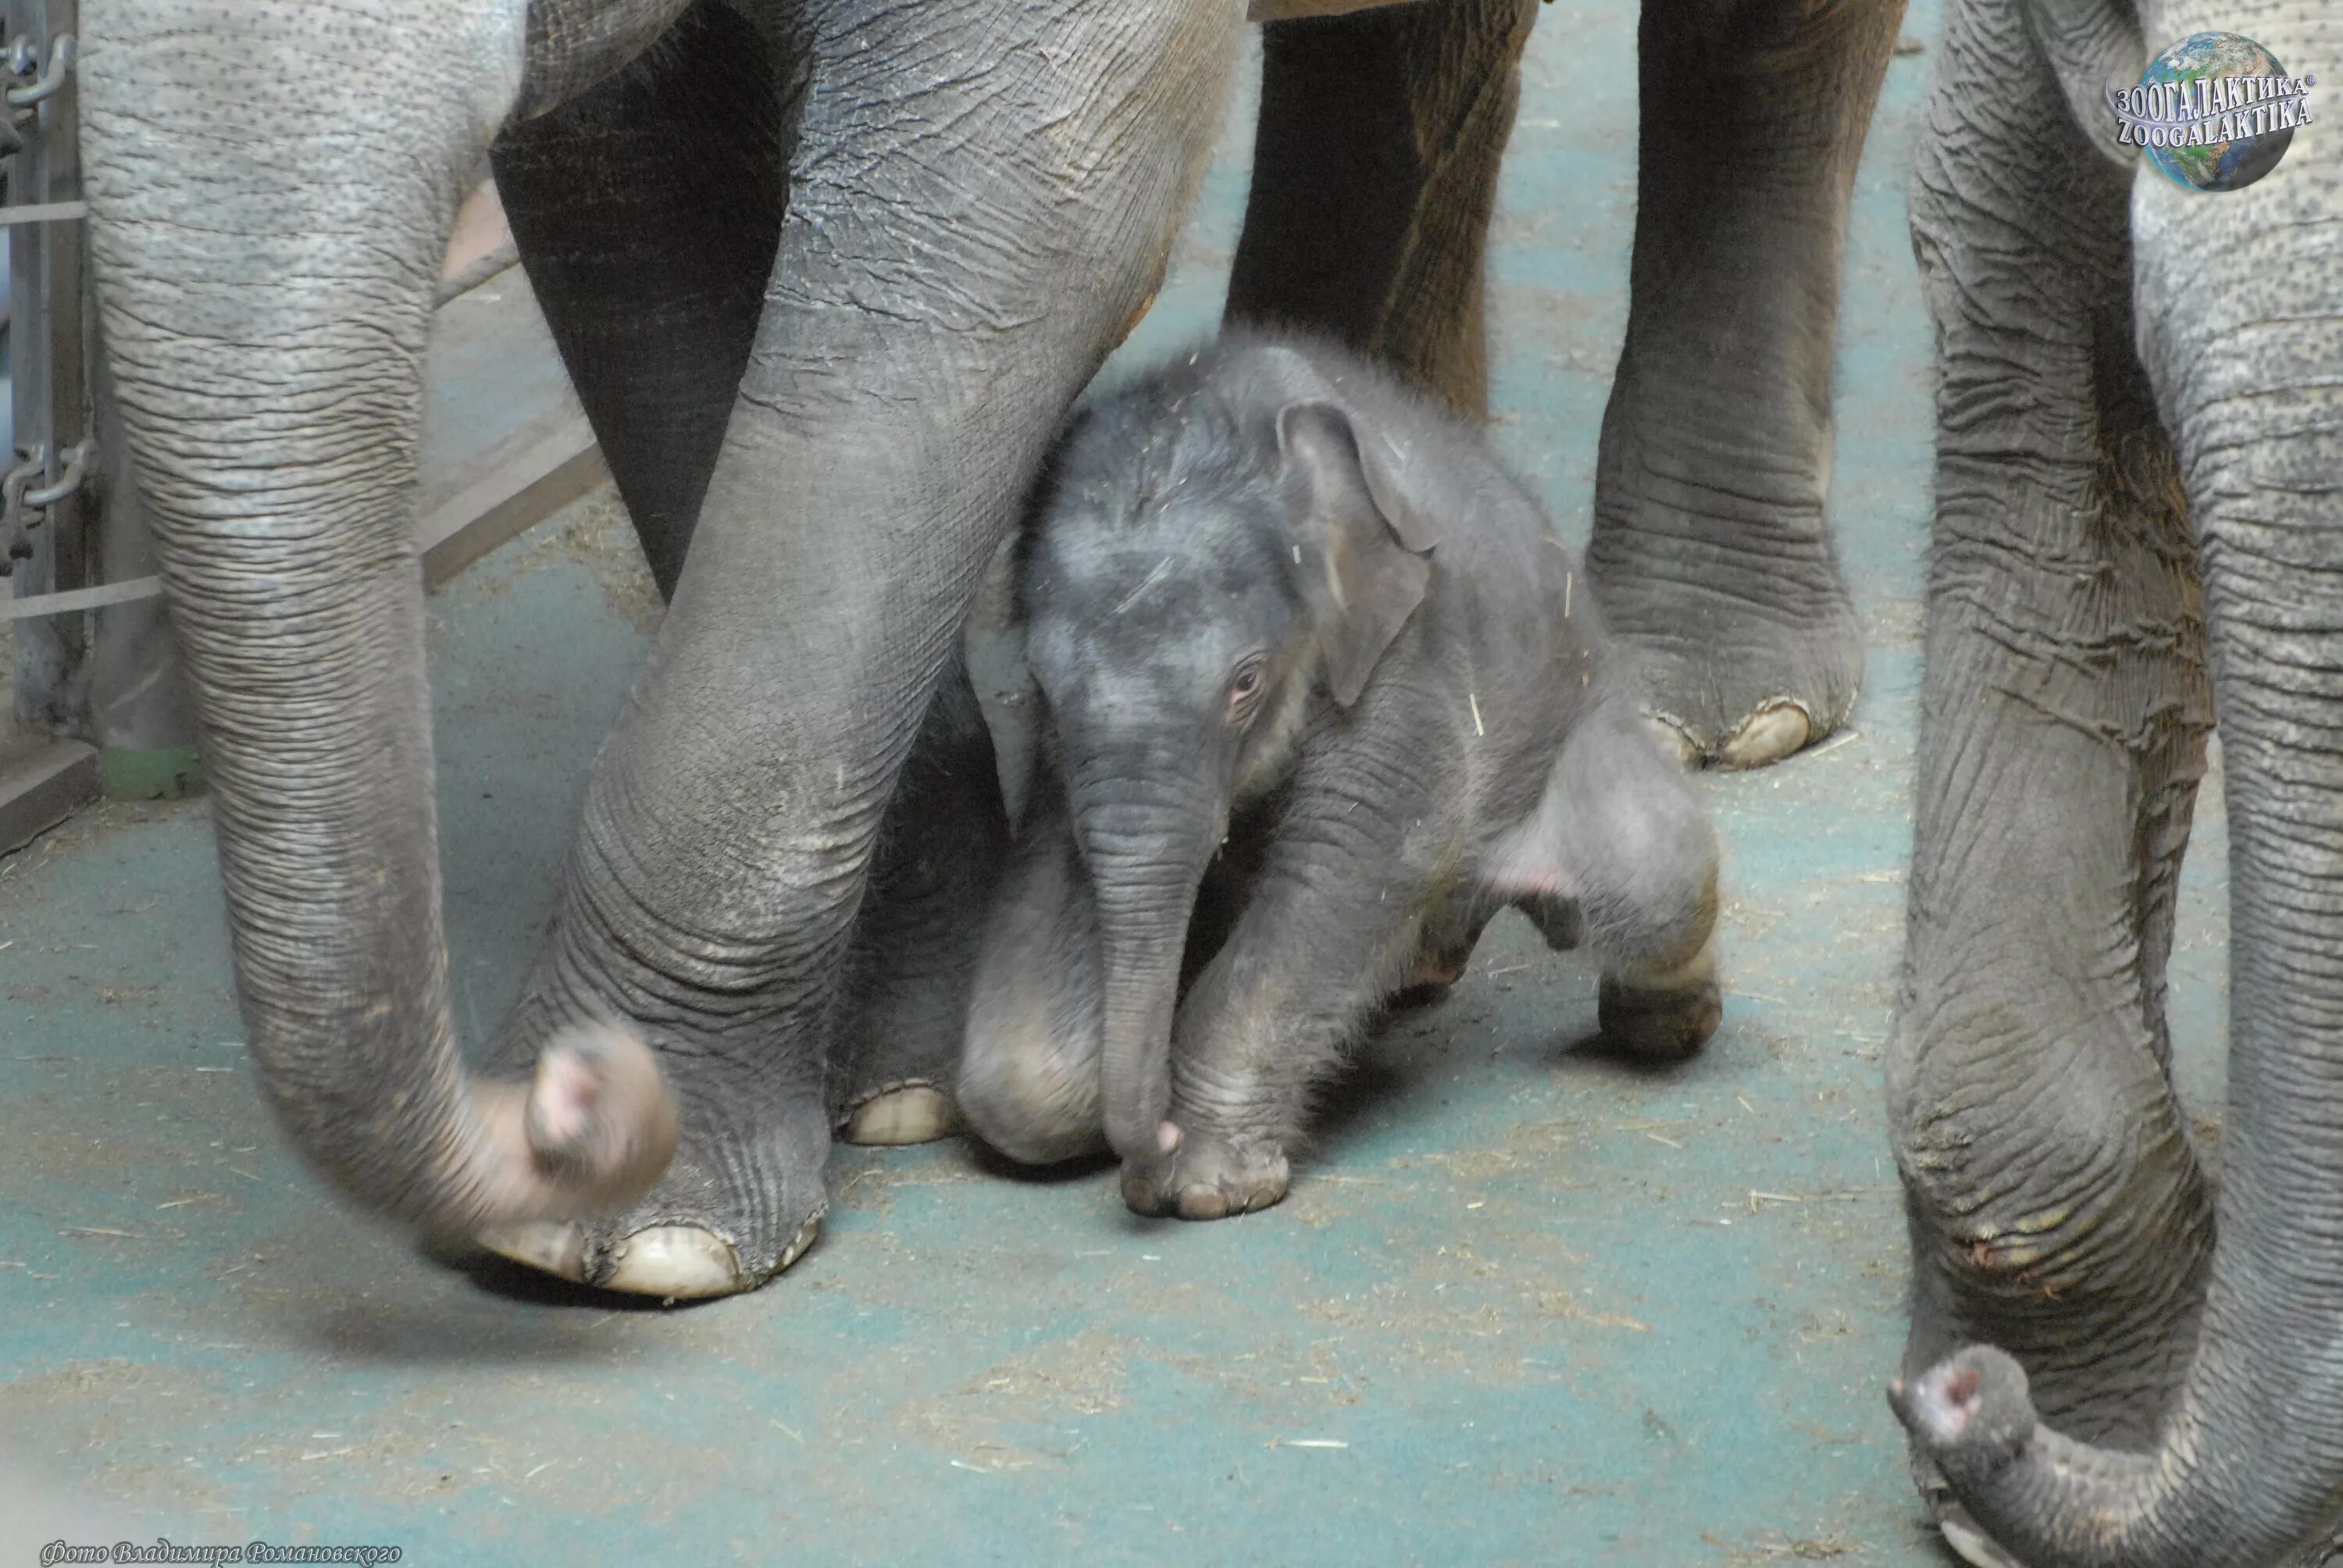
{"x": 1155, "y": 584}
{"x": 1167, "y": 643}
{"x": 1171, "y": 656}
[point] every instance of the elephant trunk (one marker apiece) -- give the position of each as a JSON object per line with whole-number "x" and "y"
{"x": 268, "y": 311}
{"x": 1148, "y": 829}
{"x": 2241, "y": 328}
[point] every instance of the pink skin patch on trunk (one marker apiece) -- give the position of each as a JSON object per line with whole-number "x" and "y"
{"x": 586, "y": 1135}
{"x": 1942, "y": 1402}
{"x": 563, "y": 1105}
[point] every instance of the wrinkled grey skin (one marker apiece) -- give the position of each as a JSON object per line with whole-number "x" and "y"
{"x": 2137, "y": 522}
{"x": 826, "y": 274}
{"x": 1374, "y": 177}
{"x": 849, "y": 396}
{"x": 1306, "y": 651}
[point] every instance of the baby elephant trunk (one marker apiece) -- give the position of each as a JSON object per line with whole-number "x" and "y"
{"x": 1146, "y": 837}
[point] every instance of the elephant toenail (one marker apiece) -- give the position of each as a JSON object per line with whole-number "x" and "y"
{"x": 799, "y": 1243}
{"x": 680, "y": 1262}
{"x": 1773, "y": 732}
{"x": 1971, "y": 1544}
{"x": 1203, "y": 1203}
{"x": 914, "y": 1113}
{"x": 1674, "y": 741}
{"x": 547, "y": 1246}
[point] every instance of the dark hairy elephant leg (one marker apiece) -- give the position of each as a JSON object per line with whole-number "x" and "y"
{"x": 2054, "y": 1205}
{"x": 975, "y": 214}
{"x": 941, "y": 848}
{"x": 1709, "y": 550}
{"x": 2246, "y": 1463}
{"x": 1375, "y": 173}
{"x": 1029, "y": 1070}
{"x": 647, "y": 211}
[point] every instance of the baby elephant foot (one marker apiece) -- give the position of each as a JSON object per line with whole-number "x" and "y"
{"x": 1205, "y": 1178}
{"x": 1662, "y": 1012}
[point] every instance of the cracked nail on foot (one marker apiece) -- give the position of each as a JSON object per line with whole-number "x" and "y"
{"x": 547, "y": 1246}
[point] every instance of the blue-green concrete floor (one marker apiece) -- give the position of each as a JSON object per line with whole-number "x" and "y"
{"x": 1523, "y": 1306}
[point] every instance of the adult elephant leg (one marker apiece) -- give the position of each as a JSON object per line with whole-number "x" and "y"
{"x": 2055, "y": 1205}
{"x": 1375, "y": 173}
{"x": 941, "y": 850}
{"x": 976, "y": 214}
{"x": 272, "y": 186}
{"x": 647, "y": 211}
{"x": 2248, "y": 1460}
{"x": 1709, "y": 547}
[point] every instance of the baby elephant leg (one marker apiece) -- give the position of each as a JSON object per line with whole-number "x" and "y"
{"x": 1317, "y": 949}
{"x": 1444, "y": 953}
{"x": 1029, "y": 1070}
{"x": 1620, "y": 859}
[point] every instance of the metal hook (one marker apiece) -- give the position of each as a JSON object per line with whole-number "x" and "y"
{"x": 53, "y": 75}
{"x": 29, "y": 467}
{"x": 14, "y": 525}
{"x": 77, "y": 459}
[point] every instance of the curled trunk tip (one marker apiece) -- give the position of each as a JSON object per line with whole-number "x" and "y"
{"x": 2057, "y": 1502}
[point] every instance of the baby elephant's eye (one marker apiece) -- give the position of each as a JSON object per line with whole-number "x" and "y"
{"x": 1243, "y": 686}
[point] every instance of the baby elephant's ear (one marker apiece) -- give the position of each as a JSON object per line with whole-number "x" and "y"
{"x": 1366, "y": 540}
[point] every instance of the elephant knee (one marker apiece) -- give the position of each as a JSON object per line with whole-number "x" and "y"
{"x": 2041, "y": 1178}
{"x": 1619, "y": 856}
{"x": 1026, "y": 1094}
{"x": 1644, "y": 862}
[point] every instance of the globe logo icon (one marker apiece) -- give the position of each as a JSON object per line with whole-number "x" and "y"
{"x": 2214, "y": 112}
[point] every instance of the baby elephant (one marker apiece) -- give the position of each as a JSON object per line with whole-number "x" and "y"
{"x": 1322, "y": 695}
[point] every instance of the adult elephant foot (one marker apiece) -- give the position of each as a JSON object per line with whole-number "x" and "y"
{"x": 681, "y": 1261}
{"x": 744, "y": 1195}
{"x": 1709, "y": 552}
{"x": 742, "y": 1200}
{"x": 1745, "y": 638}
{"x": 1375, "y": 165}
